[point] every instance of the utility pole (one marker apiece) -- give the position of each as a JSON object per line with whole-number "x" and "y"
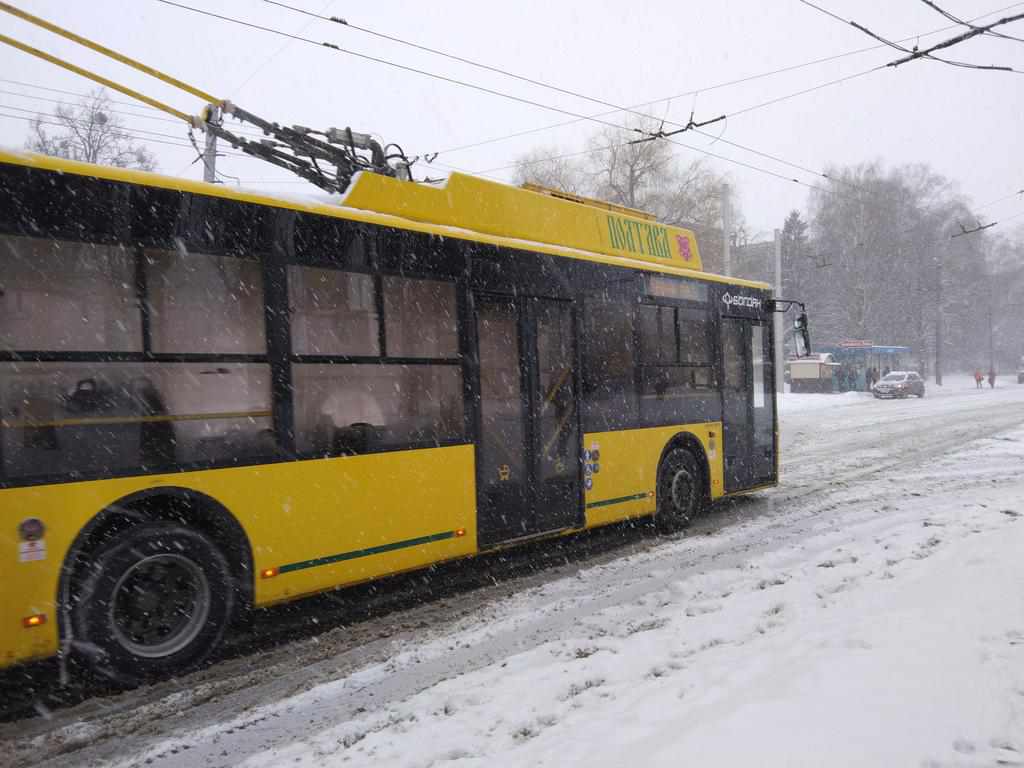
{"x": 726, "y": 231}
{"x": 213, "y": 115}
{"x": 779, "y": 350}
{"x": 938, "y": 320}
{"x": 991, "y": 341}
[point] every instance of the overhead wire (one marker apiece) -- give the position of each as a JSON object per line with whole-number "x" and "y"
{"x": 463, "y": 60}
{"x": 190, "y": 89}
{"x": 928, "y": 53}
{"x": 393, "y": 64}
{"x": 505, "y": 72}
{"x": 968, "y": 24}
{"x": 530, "y": 102}
{"x": 93, "y": 76}
{"x": 148, "y": 70}
{"x": 279, "y": 51}
{"x": 618, "y": 145}
{"x": 62, "y": 125}
{"x": 108, "y": 52}
{"x": 296, "y": 148}
{"x": 740, "y": 81}
{"x": 156, "y": 118}
{"x": 990, "y": 203}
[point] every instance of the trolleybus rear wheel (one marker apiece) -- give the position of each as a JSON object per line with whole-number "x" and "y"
{"x": 680, "y": 491}
{"x": 156, "y": 600}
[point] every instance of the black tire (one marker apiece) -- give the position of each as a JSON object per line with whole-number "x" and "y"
{"x": 680, "y": 491}
{"x": 155, "y": 600}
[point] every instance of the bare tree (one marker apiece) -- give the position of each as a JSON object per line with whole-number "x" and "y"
{"x": 549, "y": 167}
{"x": 625, "y": 171}
{"x": 889, "y": 270}
{"x": 89, "y": 132}
{"x": 637, "y": 174}
{"x": 642, "y": 175}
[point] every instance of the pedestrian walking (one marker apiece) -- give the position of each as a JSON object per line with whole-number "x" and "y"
{"x": 992, "y": 378}
{"x": 978, "y": 378}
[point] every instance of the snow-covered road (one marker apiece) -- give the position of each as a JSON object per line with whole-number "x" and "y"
{"x": 869, "y": 611}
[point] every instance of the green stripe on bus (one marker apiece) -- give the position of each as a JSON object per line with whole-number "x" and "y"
{"x": 620, "y": 500}
{"x": 329, "y": 559}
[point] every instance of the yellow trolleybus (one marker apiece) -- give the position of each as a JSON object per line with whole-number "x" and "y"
{"x": 211, "y": 399}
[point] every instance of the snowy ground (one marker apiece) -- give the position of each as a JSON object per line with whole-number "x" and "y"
{"x": 869, "y": 611}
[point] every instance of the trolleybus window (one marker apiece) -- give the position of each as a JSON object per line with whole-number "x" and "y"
{"x": 351, "y": 399}
{"x": 203, "y": 303}
{"x": 677, "y": 375}
{"x": 419, "y": 318}
{"x": 333, "y": 312}
{"x": 609, "y": 365}
{"x": 64, "y": 296}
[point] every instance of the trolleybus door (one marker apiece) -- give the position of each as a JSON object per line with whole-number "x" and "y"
{"x": 748, "y": 414}
{"x": 528, "y": 443}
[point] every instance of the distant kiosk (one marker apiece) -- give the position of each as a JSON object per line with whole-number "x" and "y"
{"x": 815, "y": 374}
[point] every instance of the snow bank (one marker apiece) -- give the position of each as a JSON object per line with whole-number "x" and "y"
{"x": 893, "y": 638}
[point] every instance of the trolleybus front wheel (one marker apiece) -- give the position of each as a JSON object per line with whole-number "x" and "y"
{"x": 156, "y": 600}
{"x": 680, "y": 491}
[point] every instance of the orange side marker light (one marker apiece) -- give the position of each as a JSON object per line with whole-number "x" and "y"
{"x": 36, "y": 620}
{"x": 268, "y": 573}
{"x": 460, "y": 532}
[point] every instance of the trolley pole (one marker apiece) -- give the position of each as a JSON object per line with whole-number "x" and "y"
{"x": 779, "y": 347}
{"x": 210, "y": 150}
{"x": 938, "y": 321}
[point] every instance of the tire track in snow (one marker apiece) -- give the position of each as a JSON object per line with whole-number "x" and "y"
{"x": 818, "y": 474}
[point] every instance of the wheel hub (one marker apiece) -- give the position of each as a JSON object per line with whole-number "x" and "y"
{"x": 159, "y": 605}
{"x": 681, "y": 489}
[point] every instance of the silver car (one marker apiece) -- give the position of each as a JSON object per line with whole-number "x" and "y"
{"x": 899, "y": 384}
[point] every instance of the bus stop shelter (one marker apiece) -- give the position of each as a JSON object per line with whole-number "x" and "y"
{"x": 856, "y": 357}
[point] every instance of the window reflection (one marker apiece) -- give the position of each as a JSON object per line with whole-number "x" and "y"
{"x": 420, "y": 318}
{"x": 204, "y": 303}
{"x": 100, "y": 417}
{"x": 609, "y": 366}
{"x": 64, "y": 296}
{"x": 333, "y": 312}
{"x": 360, "y": 408}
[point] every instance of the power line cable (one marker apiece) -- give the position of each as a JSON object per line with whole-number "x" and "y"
{"x": 619, "y": 145}
{"x": 769, "y": 102}
{"x": 463, "y": 83}
{"x": 279, "y": 51}
{"x": 121, "y": 129}
{"x": 62, "y": 125}
{"x": 461, "y": 59}
{"x": 738, "y": 81}
{"x": 968, "y": 24}
{"x": 133, "y": 133}
{"x": 990, "y": 203}
{"x": 123, "y": 113}
{"x": 1014, "y": 216}
{"x": 418, "y": 71}
{"x": 76, "y": 93}
{"x": 956, "y": 40}
{"x": 803, "y": 92}
{"x": 396, "y": 65}
{"x": 927, "y": 53}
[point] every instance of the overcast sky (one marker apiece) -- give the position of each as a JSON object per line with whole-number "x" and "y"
{"x": 966, "y": 124}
